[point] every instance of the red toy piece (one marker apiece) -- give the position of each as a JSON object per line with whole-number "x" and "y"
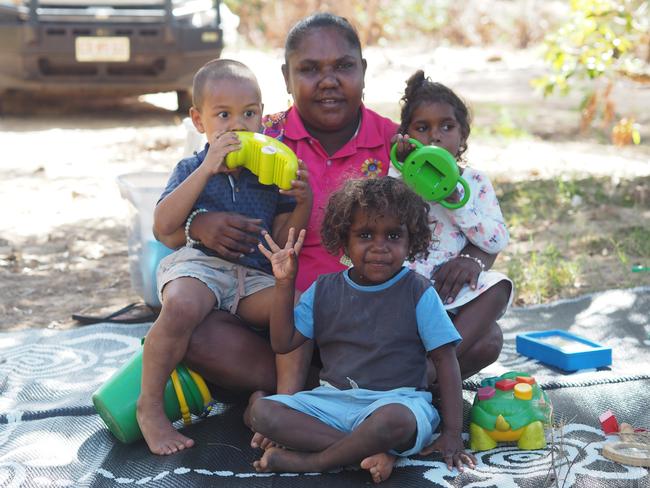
{"x": 505, "y": 385}
{"x": 485, "y": 393}
{"x": 608, "y": 422}
{"x": 525, "y": 379}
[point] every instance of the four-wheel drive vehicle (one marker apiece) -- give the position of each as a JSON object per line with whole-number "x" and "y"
{"x": 114, "y": 47}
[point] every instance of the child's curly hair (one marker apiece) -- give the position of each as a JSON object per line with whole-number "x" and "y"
{"x": 387, "y": 196}
{"x": 420, "y": 89}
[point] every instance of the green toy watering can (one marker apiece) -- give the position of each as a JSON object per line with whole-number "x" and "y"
{"x": 432, "y": 173}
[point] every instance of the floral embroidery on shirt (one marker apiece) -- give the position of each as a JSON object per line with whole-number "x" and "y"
{"x": 371, "y": 168}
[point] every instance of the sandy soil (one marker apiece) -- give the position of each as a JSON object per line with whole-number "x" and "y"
{"x": 64, "y": 225}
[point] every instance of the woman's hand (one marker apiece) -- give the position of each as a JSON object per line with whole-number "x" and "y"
{"x": 453, "y": 275}
{"x": 283, "y": 260}
{"x": 231, "y": 235}
{"x": 452, "y": 450}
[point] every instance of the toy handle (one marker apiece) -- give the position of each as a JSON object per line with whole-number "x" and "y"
{"x": 393, "y": 153}
{"x": 461, "y": 202}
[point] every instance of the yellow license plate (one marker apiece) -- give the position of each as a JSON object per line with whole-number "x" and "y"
{"x": 102, "y": 49}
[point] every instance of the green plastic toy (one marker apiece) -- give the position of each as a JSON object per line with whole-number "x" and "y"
{"x": 510, "y": 407}
{"x": 272, "y": 161}
{"x": 432, "y": 172}
{"x": 185, "y": 393}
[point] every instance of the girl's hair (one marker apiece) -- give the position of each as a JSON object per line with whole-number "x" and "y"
{"x": 320, "y": 20}
{"x": 387, "y": 196}
{"x": 421, "y": 90}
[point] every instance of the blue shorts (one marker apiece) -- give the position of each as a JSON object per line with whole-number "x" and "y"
{"x": 344, "y": 410}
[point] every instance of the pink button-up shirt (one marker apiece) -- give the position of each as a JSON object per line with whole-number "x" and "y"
{"x": 365, "y": 155}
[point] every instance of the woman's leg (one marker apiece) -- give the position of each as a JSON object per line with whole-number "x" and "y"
{"x": 227, "y": 353}
{"x": 186, "y": 301}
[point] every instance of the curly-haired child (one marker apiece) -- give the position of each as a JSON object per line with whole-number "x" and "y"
{"x": 375, "y": 324}
{"x": 465, "y": 241}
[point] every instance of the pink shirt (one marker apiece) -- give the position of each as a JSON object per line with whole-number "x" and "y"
{"x": 365, "y": 155}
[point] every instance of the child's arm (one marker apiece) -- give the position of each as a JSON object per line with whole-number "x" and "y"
{"x": 481, "y": 219}
{"x": 299, "y": 218}
{"x": 284, "y": 335}
{"x": 170, "y": 214}
{"x": 450, "y": 442}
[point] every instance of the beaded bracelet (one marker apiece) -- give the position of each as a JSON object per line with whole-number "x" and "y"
{"x": 189, "y": 242}
{"x": 475, "y": 259}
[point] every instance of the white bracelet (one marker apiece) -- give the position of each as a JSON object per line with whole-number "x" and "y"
{"x": 475, "y": 259}
{"x": 189, "y": 242}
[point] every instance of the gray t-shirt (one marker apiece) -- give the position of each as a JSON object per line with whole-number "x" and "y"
{"x": 374, "y": 337}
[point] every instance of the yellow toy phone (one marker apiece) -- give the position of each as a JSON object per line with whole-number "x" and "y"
{"x": 272, "y": 161}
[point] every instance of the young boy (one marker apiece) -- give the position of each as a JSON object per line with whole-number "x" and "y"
{"x": 195, "y": 279}
{"x": 374, "y": 325}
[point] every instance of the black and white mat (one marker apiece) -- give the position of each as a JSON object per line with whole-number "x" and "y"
{"x": 51, "y": 436}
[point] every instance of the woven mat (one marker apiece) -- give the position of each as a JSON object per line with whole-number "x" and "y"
{"x": 51, "y": 436}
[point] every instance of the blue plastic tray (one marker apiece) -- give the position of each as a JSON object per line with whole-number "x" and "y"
{"x": 563, "y": 350}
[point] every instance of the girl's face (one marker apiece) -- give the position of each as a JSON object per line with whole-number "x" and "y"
{"x": 434, "y": 123}
{"x": 324, "y": 75}
{"x": 377, "y": 246}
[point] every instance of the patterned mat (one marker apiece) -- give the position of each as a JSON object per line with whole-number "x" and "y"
{"x": 51, "y": 436}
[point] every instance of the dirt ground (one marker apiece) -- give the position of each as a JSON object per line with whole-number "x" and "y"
{"x": 64, "y": 225}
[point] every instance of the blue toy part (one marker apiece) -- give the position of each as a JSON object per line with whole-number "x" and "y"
{"x": 563, "y": 350}
{"x": 432, "y": 172}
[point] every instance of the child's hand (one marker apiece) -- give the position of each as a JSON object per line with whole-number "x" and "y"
{"x": 283, "y": 261}
{"x": 404, "y": 147}
{"x": 452, "y": 450}
{"x": 221, "y": 143}
{"x": 453, "y": 275}
{"x": 300, "y": 189}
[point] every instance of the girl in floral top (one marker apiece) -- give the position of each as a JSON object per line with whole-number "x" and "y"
{"x": 466, "y": 240}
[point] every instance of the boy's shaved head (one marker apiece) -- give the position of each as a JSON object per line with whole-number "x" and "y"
{"x": 217, "y": 70}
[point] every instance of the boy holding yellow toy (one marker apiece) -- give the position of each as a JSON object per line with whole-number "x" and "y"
{"x": 196, "y": 278}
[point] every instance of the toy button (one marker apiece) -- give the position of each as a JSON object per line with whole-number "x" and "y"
{"x": 485, "y": 392}
{"x": 505, "y": 385}
{"x": 525, "y": 379}
{"x": 523, "y": 391}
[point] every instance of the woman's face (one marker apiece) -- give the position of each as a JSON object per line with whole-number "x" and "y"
{"x": 324, "y": 75}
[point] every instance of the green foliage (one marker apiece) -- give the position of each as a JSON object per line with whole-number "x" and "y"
{"x": 541, "y": 276}
{"x": 601, "y": 38}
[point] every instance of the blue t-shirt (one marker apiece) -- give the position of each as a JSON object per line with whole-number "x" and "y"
{"x": 377, "y": 335}
{"x": 243, "y": 195}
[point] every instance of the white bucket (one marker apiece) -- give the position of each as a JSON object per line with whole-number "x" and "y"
{"x": 142, "y": 191}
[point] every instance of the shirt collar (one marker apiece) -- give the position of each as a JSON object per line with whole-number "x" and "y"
{"x": 368, "y": 134}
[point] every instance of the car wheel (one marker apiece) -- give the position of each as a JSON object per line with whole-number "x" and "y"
{"x": 184, "y": 99}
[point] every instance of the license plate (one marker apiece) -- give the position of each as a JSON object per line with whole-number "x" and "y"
{"x": 103, "y": 49}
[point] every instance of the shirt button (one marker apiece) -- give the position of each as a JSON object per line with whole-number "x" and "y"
{"x": 329, "y": 162}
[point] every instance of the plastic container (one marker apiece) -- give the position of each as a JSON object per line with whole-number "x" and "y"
{"x": 142, "y": 191}
{"x": 115, "y": 401}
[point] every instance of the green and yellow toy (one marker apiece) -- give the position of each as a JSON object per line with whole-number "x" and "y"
{"x": 432, "y": 172}
{"x": 510, "y": 407}
{"x": 269, "y": 159}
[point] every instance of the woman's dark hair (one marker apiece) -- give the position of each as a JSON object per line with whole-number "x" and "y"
{"x": 315, "y": 21}
{"x": 420, "y": 90}
{"x": 387, "y": 196}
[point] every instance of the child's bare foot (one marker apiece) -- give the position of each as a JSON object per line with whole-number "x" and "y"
{"x": 278, "y": 460}
{"x": 161, "y": 437}
{"x": 379, "y": 465}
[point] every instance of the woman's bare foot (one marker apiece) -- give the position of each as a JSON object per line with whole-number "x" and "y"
{"x": 161, "y": 437}
{"x": 278, "y": 460}
{"x": 379, "y": 465}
